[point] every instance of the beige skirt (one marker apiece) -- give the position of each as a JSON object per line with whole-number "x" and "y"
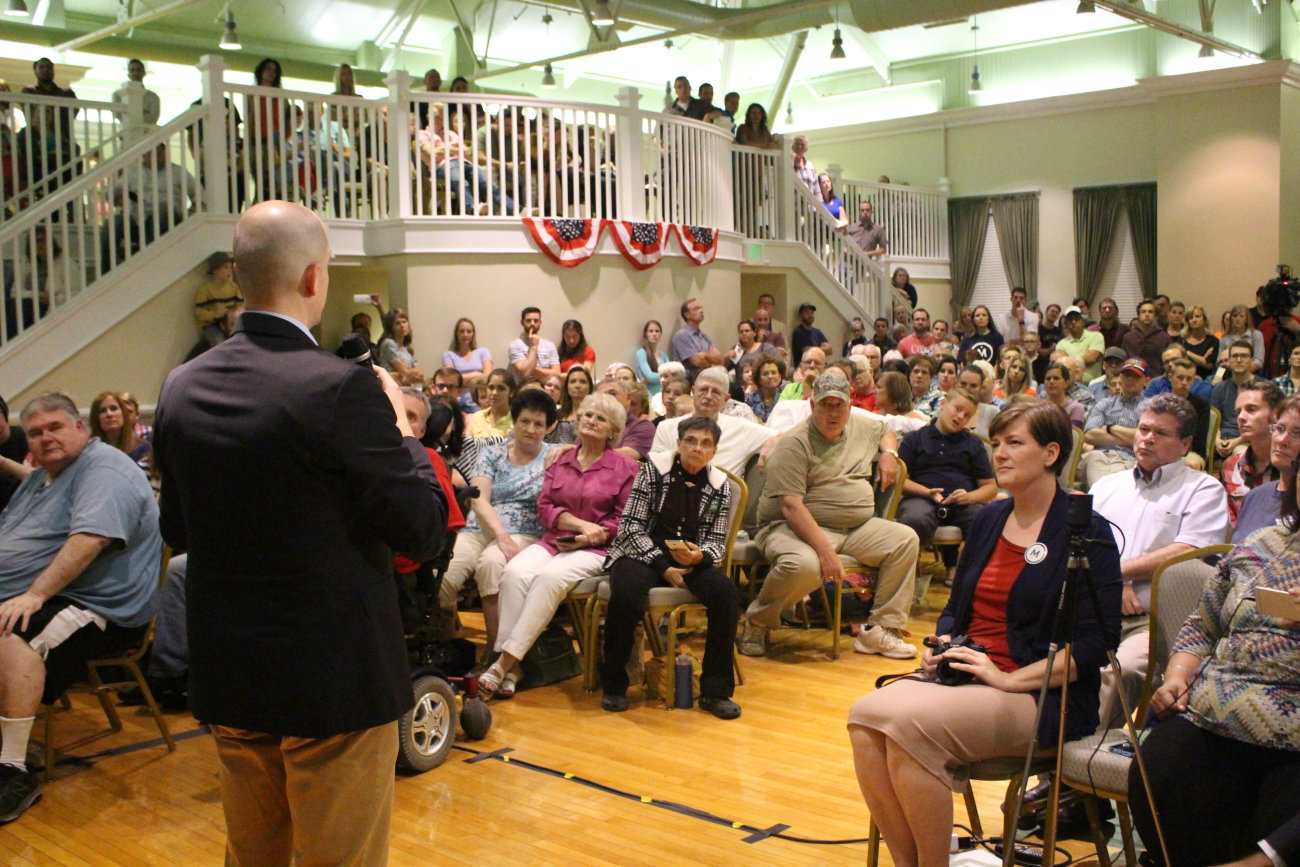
{"x": 947, "y": 728}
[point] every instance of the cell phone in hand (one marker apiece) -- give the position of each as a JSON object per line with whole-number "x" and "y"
{"x": 568, "y": 537}
{"x": 1277, "y": 603}
{"x": 678, "y": 545}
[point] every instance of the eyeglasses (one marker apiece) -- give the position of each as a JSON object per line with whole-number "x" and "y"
{"x": 1292, "y": 434}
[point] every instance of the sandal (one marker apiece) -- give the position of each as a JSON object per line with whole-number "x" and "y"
{"x": 507, "y": 687}
{"x": 491, "y": 680}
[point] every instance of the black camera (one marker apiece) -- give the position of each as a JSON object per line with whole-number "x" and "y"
{"x": 944, "y": 672}
{"x": 1281, "y": 294}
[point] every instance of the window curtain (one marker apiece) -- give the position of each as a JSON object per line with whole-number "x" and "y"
{"x": 1016, "y": 219}
{"x": 1096, "y": 210}
{"x": 1140, "y": 200}
{"x": 968, "y": 222}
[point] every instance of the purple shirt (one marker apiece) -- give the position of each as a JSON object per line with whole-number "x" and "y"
{"x": 639, "y": 434}
{"x": 597, "y": 495}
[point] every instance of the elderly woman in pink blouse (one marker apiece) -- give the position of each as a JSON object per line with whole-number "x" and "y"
{"x": 582, "y": 500}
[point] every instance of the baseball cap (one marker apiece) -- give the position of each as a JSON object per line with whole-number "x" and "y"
{"x": 216, "y": 260}
{"x": 1072, "y": 311}
{"x": 807, "y": 306}
{"x": 1134, "y": 365}
{"x": 832, "y": 383}
{"x": 1116, "y": 353}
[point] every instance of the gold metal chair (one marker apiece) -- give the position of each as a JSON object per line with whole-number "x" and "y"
{"x": 103, "y": 690}
{"x": 1087, "y": 764}
{"x": 1071, "y": 471}
{"x": 1211, "y": 438}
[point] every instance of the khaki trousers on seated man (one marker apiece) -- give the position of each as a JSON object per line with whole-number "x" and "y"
{"x": 818, "y": 507}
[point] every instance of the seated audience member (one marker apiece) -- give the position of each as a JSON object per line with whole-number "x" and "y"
{"x": 464, "y": 353}
{"x": 817, "y": 505}
{"x": 857, "y": 336}
{"x": 13, "y": 452}
{"x": 638, "y": 433}
{"x": 649, "y": 357}
{"x": 814, "y": 362}
{"x": 450, "y": 383}
{"x": 1161, "y": 508}
{"x": 1146, "y": 338}
{"x": 939, "y": 328}
{"x": 1289, "y": 381}
{"x": 920, "y": 341}
{"x": 677, "y": 401}
{"x": 806, "y": 334}
{"x": 1112, "y": 360}
{"x": 690, "y": 346}
{"x": 578, "y": 383}
{"x": 971, "y": 378}
{"x": 494, "y": 419}
{"x": 1224, "y": 396}
{"x": 1111, "y": 424}
{"x": 504, "y": 519}
{"x": 554, "y": 386}
{"x": 79, "y": 554}
{"x": 740, "y": 441}
{"x": 582, "y": 498}
{"x": 863, "y": 383}
{"x": 1262, "y": 506}
{"x": 531, "y": 354}
{"x": 767, "y": 332}
{"x": 1056, "y": 383}
{"x": 880, "y": 337}
{"x": 395, "y": 352}
{"x": 678, "y": 498}
{"x": 949, "y": 478}
{"x": 924, "y": 375}
{"x": 216, "y": 333}
{"x": 360, "y": 324}
{"x": 1017, "y": 378}
{"x": 748, "y": 350}
{"x": 220, "y": 293}
{"x": 108, "y": 421}
{"x": 894, "y": 398}
{"x": 638, "y": 402}
{"x": 573, "y": 347}
{"x": 1252, "y": 465}
{"x": 1161, "y": 384}
{"x": 1032, "y": 347}
{"x": 769, "y": 380}
{"x": 446, "y": 434}
{"x": 1076, "y": 390}
{"x": 1181, "y": 377}
{"x": 872, "y": 354}
{"x": 914, "y": 739}
{"x": 668, "y": 371}
{"x": 1225, "y": 762}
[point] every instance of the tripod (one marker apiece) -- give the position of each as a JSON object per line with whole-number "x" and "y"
{"x": 1078, "y": 574}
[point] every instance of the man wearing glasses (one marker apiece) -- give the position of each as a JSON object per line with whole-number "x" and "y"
{"x": 1241, "y": 357}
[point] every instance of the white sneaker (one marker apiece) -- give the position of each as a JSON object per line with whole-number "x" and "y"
{"x": 753, "y": 642}
{"x": 884, "y": 641}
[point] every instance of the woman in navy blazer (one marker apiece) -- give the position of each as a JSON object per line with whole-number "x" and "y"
{"x": 913, "y": 739}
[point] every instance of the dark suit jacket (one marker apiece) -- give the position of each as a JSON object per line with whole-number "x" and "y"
{"x": 285, "y": 478}
{"x": 1031, "y": 607}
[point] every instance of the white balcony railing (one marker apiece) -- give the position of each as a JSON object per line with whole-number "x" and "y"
{"x": 915, "y": 218}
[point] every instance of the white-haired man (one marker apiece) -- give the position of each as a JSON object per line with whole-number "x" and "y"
{"x": 741, "y": 439}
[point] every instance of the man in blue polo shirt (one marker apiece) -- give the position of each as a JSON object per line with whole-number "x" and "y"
{"x": 79, "y": 555}
{"x": 949, "y": 477}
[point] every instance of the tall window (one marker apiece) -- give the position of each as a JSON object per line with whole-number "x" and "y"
{"x": 991, "y": 286}
{"x": 1120, "y": 278}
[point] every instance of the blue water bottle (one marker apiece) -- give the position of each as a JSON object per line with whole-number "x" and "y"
{"x": 683, "y": 694}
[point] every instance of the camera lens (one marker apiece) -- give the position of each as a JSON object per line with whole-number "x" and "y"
{"x": 942, "y": 513}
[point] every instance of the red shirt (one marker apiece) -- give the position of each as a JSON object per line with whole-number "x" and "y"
{"x": 867, "y": 402}
{"x": 588, "y": 357}
{"x": 988, "y": 611}
{"x": 455, "y": 519}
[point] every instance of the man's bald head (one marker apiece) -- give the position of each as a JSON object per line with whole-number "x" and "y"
{"x": 277, "y": 244}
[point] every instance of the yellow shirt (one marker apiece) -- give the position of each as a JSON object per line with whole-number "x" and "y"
{"x": 479, "y": 425}
{"x": 213, "y": 298}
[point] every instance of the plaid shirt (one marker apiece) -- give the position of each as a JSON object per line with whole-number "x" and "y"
{"x": 647, "y": 497}
{"x": 1284, "y": 382}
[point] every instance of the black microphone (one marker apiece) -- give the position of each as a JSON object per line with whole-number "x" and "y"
{"x": 355, "y": 349}
{"x": 1078, "y": 512}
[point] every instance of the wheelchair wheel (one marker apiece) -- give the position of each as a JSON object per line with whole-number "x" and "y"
{"x": 475, "y": 718}
{"x": 426, "y": 733}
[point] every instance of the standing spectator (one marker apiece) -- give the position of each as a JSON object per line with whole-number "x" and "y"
{"x": 731, "y": 105}
{"x": 803, "y": 167}
{"x": 1110, "y": 327}
{"x": 46, "y": 86}
{"x": 685, "y": 105}
{"x": 691, "y": 346}
{"x": 1177, "y": 321}
{"x": 766, "y": 333}
{"x": 1032, "y": 348}
{"x": 857, "y": 335}
{"x": 873, "y": 240}
{"x": 806, "y": 334}
{"x": 531, "y": 354}
{"x": 949, "y": 477}
{"x": 817, "y": 505}
{"x": 573, "y": 347}
{"x": 747, "y": 350}
{"x": 649, "y": 356}
{"x": 826, "y": 194}
{"x": 1252, "y": 466}
{"x": 1019, "y": 320}
{"x": 13, "y": 452}
{"x": 1111, "y": 425}
{"x": 152, "y": 105}
{"x": 1050, "y": 330}
{"x": 220, "y": 293}
{"x": 920, "y": 341}
{"x": 901, "y": 284}
{"x": 1162, "y": 309}
{"x": 1202, "y": 347}
{"x": 754, "y": 132}
{"x": 1082, "y": 304}
{"x": 396, "y": 354}
{"x": 464, "y": 353}
{"x": 432, "y": 84}
{"x": 1087, "y": 346}
{"x": 1239, "y": 328}
{"x": 269, "y": 130}
{"x": 1224, "y": 396}
{"x": 1146, "y": 339}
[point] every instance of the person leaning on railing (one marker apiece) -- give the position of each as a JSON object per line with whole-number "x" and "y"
{"x": 754, "y": 132}
{"x": 913, "y": 739}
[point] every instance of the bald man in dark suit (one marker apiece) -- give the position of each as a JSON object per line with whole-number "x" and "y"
{"x": 290, "y": 476}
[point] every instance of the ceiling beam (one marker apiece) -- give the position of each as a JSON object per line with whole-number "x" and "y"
{"x": 124, "y": 24}
{"x": 875, "y": 54}
{"x": 797, "y": 43}
{"x": 748, "y": 17}
{"x": 1164, "y": 25}
{"x": 401, "y": 15}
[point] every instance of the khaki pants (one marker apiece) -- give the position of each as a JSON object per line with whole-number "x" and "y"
{"x": 1102, "y": 462}
{"x": 476, "y": 555}
{"x": 1134, "y": 645}
{"x": 886, "y": 546}
{"x": 307, "y": 801}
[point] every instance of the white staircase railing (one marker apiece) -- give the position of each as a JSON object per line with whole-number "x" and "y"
{"x": 58, "y": 247}
{"x": 862, "y": 277}
{"x": 756, "y": 173}
{"x": 915, "y": 218}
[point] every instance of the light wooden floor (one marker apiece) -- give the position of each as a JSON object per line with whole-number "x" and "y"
{"x": 786, "y": 760}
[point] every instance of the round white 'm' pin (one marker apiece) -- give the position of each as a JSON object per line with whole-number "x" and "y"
{"x": 1036, "y": 554}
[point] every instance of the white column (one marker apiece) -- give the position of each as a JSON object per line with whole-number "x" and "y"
{"x": 400, "y": 144}
{"x": 629, "y": 149}
{"x": 215, "y": 155}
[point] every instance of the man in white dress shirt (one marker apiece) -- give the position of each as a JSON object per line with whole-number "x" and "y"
{"x": 1019, "y": 320}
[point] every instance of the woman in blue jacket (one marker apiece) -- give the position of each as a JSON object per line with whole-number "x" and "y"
{"x": 913, "y": 739}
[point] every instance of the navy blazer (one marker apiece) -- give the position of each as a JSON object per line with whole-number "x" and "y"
{"x": 285, "y": 477}
{"x": 1032, "y": 603}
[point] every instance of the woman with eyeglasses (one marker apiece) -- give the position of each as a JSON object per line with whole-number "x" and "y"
{"x": 1262, "y": 506}
{"x": 1224, "y": 763}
